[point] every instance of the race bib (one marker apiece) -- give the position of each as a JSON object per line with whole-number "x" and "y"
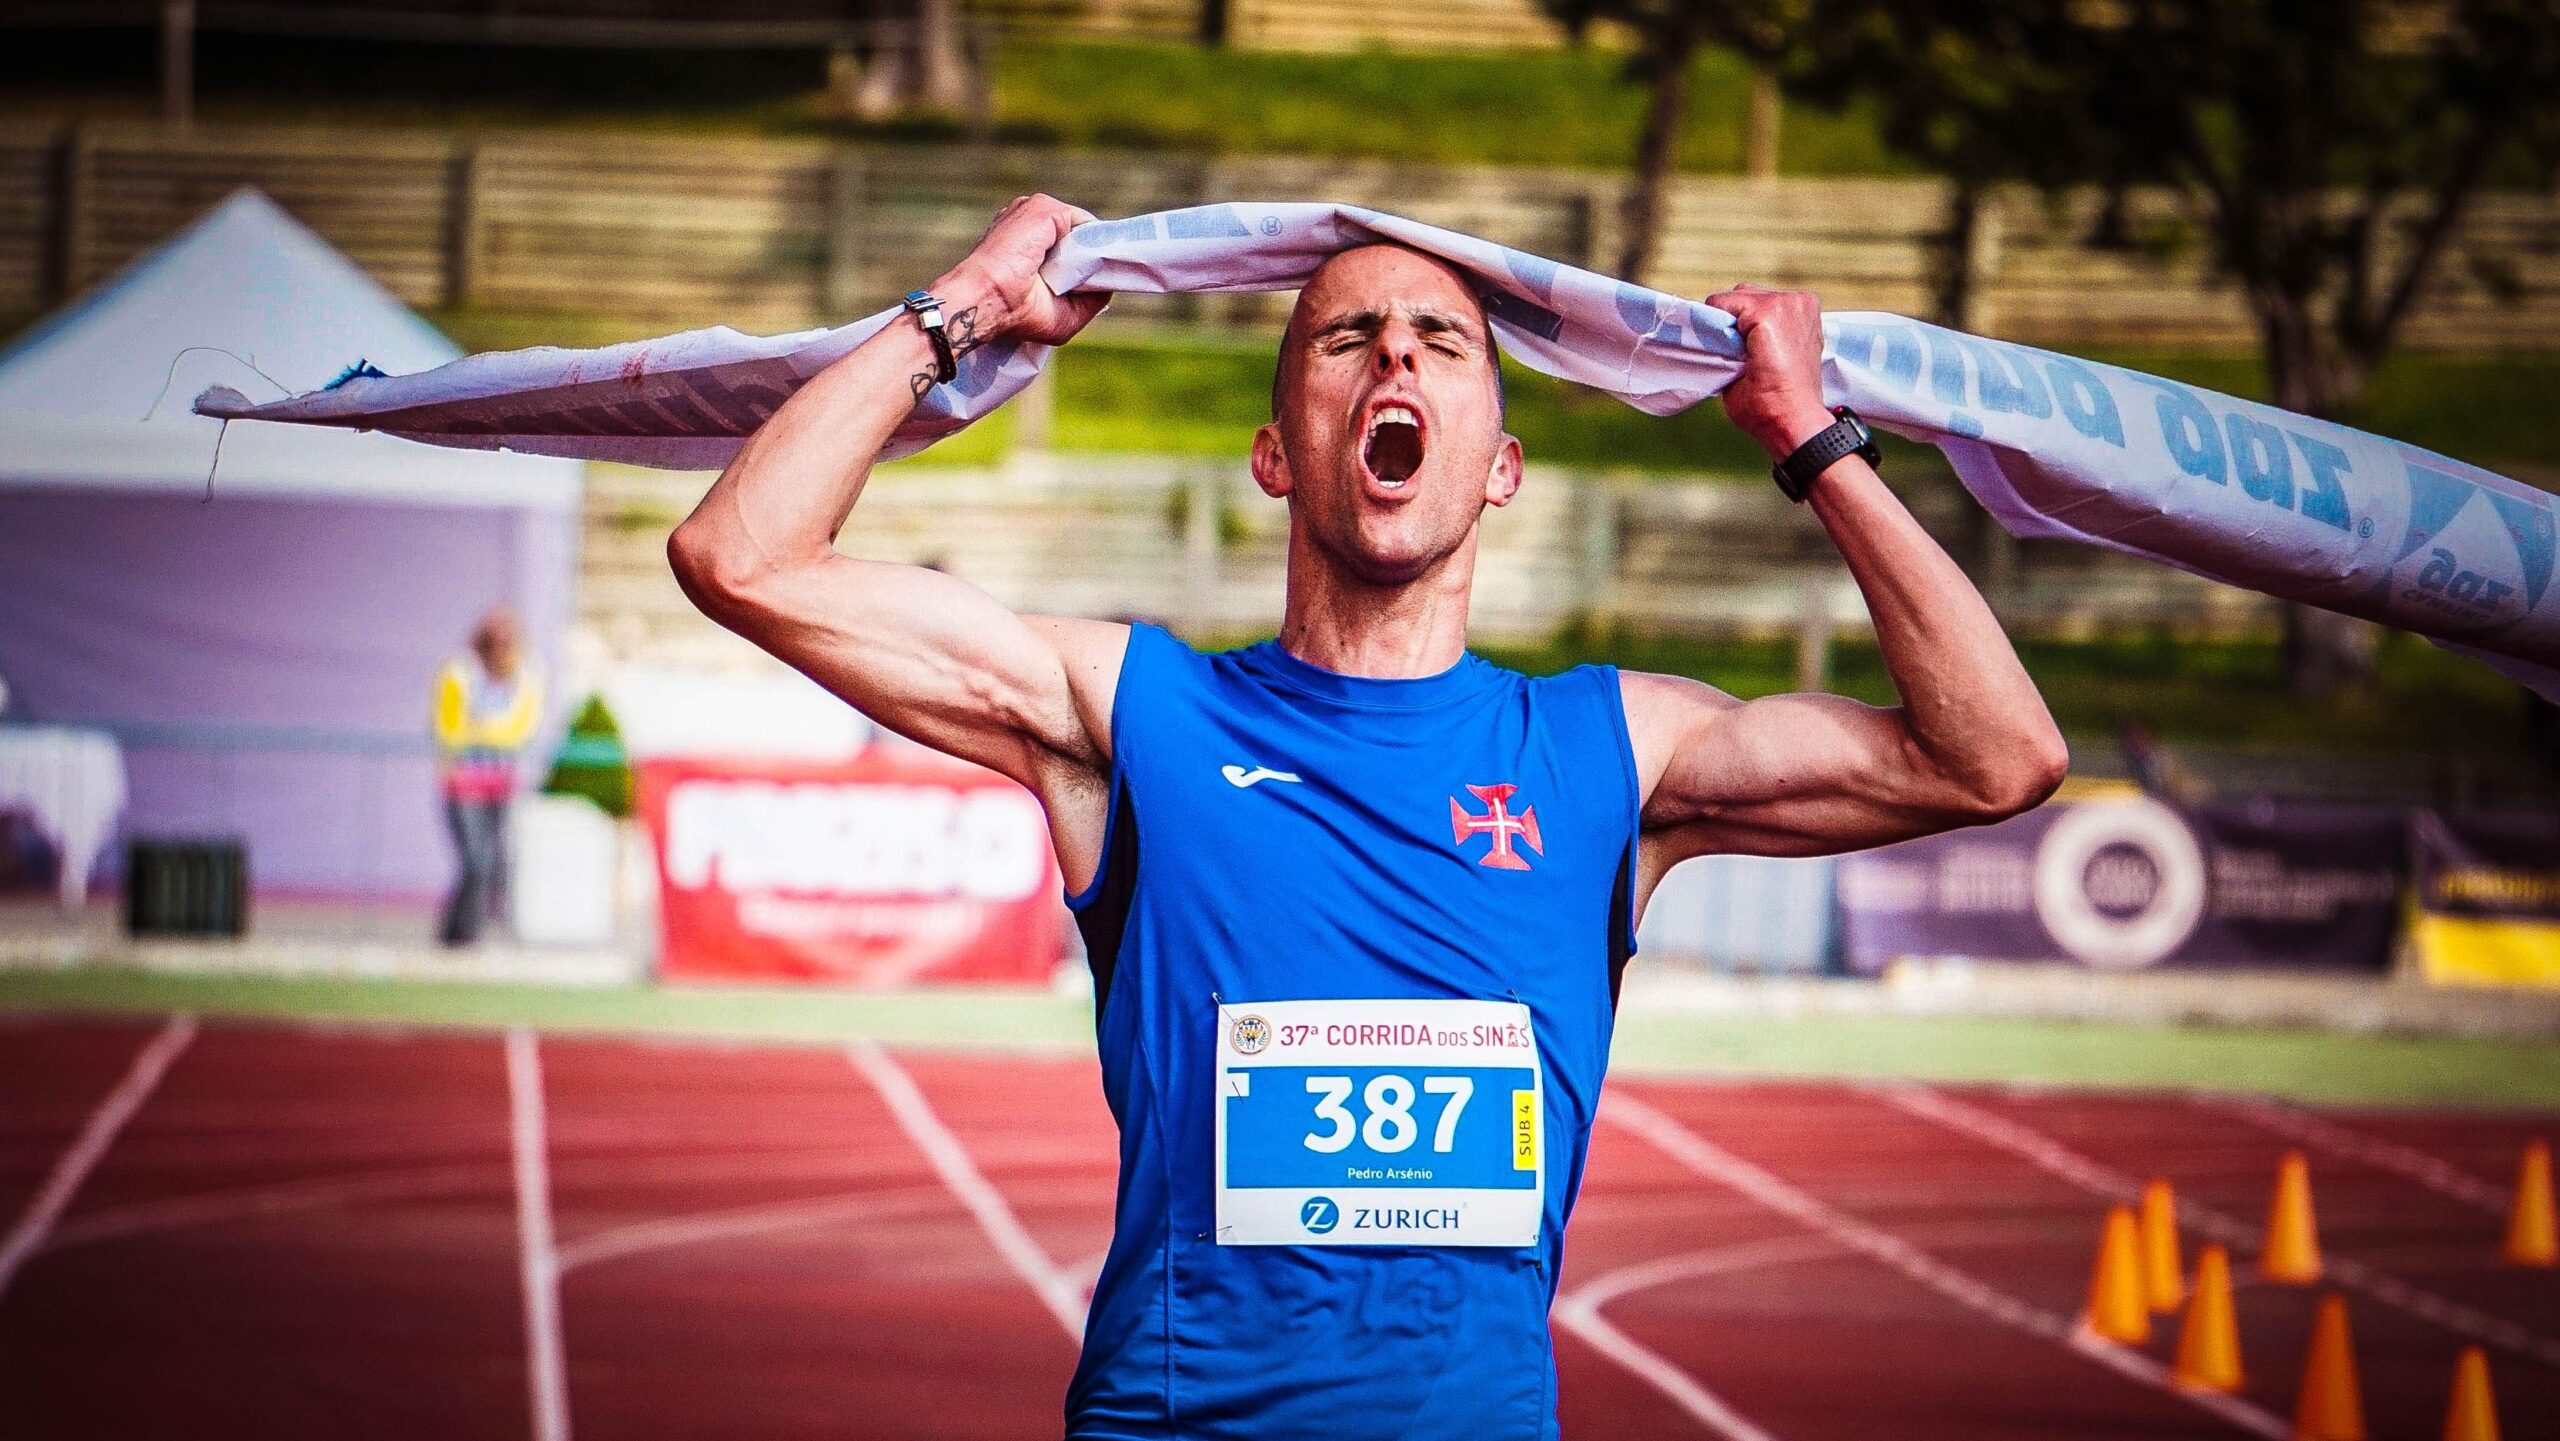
{"x": 1379, "y": 1123}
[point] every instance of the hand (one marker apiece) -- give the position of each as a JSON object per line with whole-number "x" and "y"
{"x": 1777, "y": 400}
{"x": 999, "y": 289}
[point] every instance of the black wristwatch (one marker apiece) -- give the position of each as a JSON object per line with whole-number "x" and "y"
{"x": 1846, "y": 435}
{"x": 927, "y": 309}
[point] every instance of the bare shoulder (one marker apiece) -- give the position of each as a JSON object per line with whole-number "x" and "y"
{"x": 1665, "y": 712}
{"x": 1089, "y": 652}
{"x": 1656, "y": 696}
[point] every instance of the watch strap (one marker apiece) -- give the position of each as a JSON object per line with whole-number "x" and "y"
{"x": 1846, "y": 435}
{"x": 926, "y": 307}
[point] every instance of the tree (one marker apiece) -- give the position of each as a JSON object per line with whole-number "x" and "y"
{"x": 2333, "y": 152}
{"x": 917, "y": 61}
{"x": 1668, "y": 35}
{"x": 2330, "y": 148}
{"x": 2333, "y": 148}
{"x": 1957, "y": 86}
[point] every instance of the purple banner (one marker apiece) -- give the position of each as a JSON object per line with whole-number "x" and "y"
{"x": 2125, "y": 883}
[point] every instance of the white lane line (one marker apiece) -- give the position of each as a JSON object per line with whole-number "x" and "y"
{"x": 1579, "y": 1312}
{"x": 1731, "y": 1171}
{"x": 260, "y": 1202}
{"x": 740, "y": 1222}
{"x": 2323, "y": 1134}
{"x": 538, "y": 1256}
{"x": 286, "y": 1197}
{"x": 99, "y": 1132}
{"x": 950, "y": 1160}
{"x": 2044, "y": 1151}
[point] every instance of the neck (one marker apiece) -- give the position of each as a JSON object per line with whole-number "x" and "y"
{"x": 1397, "y": 631}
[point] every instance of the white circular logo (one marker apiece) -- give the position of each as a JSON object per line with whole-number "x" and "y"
{"x": 1249, "y": 1035}
{"x": 2120, "y": 884}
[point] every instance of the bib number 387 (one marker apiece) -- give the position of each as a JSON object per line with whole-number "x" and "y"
{"x": 1379, "y": 1123}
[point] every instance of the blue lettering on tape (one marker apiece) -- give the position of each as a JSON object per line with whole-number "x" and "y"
{"x": 2187, "y": 428}
{"x": 1205, "y": 222}
{"x": 2084, "y": 400}
{"x": 1856, "y": 342}
{"x": 2008, "y": 386}
{"x": 2258, "y": 457}
{"x": 2324, "y": 498}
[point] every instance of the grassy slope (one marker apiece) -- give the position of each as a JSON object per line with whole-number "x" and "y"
{"x": 1553, "y": 107}
{"x": 1550, "y": 107}
{"x": 2301, "y": 1064}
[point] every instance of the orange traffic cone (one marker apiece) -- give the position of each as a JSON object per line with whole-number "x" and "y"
{"x": 2533, "y": 1238}
{"x": 2292, "y": 1247}
{"x": 2163, "y": 1281}
{"x": 2117, "y": 1310}
{"x": 2472, "y": 1415}
{"x": 2331, "y": 1408}
{"x": 2209, "y": 1340}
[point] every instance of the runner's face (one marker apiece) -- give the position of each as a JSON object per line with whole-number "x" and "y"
{"x": 1389, "y": 441}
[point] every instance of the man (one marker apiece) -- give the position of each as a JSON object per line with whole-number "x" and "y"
{"x": 1356, "y": 901}
{"x": 487, "y": 704}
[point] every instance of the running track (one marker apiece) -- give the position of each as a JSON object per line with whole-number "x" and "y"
{"x": 225, "y": 1231}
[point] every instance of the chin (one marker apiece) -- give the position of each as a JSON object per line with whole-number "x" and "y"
{"x": 1390, "y": 559}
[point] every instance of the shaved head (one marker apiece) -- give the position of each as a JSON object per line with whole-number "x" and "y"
{"x": 1386, "y": 434}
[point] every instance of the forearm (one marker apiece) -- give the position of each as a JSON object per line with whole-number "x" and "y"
{"x": 1968, "y": 703}
{"x": 792, "y": 486}
{"x": 1811, "y": 775}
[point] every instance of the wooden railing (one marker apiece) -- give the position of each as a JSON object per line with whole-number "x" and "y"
{"x": 782, "y": 234}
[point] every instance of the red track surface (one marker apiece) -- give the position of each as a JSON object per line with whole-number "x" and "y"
{"x": 300, "y": 1232}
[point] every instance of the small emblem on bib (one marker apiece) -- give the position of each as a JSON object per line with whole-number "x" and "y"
{"x": 1251, "y": 1034}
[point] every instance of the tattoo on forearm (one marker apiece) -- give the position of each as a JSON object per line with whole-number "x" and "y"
{"x": 962, "y": 329}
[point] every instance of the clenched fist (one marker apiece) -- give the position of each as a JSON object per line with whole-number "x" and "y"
{"x": 1777, "y": 400}
{"x": 1000, "y": 279}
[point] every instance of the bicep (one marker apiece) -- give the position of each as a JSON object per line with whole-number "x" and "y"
{"x": 942, "y": 662}
{"x": 1785, "y": 775}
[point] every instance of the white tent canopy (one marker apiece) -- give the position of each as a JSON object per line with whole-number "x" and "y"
{"x": 264, "y": 659}
{"x": 246, "y": 289}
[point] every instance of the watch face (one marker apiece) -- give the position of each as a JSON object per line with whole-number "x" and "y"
{"x": 1865, "y": 449}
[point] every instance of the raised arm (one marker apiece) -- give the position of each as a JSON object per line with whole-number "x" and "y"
{"x": 1801, "y": 775}
{"x": 925, "y": 654}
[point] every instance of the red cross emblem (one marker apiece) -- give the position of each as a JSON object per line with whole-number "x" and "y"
{"x": 1499, "y": 823}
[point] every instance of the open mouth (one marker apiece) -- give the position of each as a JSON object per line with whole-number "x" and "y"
{"x": 1393, "y": 447}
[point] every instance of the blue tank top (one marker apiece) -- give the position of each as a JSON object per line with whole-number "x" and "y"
{"x": 1433, "y": 860}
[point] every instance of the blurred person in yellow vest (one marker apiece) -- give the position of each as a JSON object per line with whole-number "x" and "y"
{"x": 487, "y": 706}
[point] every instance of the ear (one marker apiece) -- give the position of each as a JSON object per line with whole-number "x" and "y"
{"x": 1502, "y": 478}
{"x": 1271, "y": 463}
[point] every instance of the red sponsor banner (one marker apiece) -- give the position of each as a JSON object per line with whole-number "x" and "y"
{"x": 897, "y": 866}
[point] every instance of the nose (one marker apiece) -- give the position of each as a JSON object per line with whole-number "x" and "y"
{"x": 1398, "y": 351}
